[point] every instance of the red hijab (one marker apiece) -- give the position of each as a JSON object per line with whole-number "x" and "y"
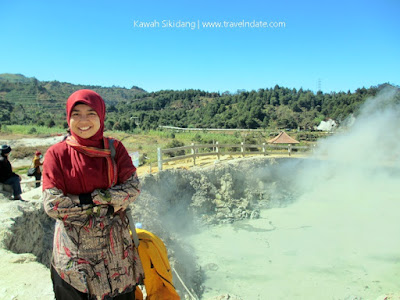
{"x": 95, "y": 101}
{"x": 75, "y": 171}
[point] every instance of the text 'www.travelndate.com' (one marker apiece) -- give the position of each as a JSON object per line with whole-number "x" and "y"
{"x": 179, "y": 24}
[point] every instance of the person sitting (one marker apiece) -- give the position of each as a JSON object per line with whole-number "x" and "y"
{"x": 7, "y": 176}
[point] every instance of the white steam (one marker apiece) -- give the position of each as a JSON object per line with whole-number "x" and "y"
{"x": 373, "y": 138}
{"x": 339, "y": 239}
{"x": 364, "y": 159}
{"x": 350, "y": 198}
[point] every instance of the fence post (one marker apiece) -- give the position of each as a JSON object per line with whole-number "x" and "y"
{"x": 263, "y": 148}
{"x": 242, "y": 148}
{"x": 194, "y": 154}
{"x": 159, "y": 158}
{"x": 217, "y": 149}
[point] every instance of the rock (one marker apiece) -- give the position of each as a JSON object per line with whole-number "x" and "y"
{"x": 211, "y": 267}
{"x": 255, "y": 214}
{"x": 6, "y": 188}
{"x": 172, "y": 203}
{"x": 226, "y": 297}
{"x": 219, "y": 203}
{"x": 23, "y": 258}
{"x": 224, "y": 210}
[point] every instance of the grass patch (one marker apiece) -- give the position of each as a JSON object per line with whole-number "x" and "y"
{"x": 31, "y": 130}
{"x": 26, "y": 152}
{"x": 144, "y": 142}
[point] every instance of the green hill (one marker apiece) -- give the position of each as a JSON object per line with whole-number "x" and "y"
{"x": 30, "y": 101}
{"x": 35, "y": 102}
{"x": 15, "y": 78}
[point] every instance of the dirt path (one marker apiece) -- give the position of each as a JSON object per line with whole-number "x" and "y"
{"x": 204, "y": 161}
{"x": 22, "y": 141}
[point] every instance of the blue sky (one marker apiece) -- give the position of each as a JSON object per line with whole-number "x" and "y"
{"x": 344, "y": 45}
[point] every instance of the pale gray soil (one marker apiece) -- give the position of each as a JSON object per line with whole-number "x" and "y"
{"x": 256, "y": 228}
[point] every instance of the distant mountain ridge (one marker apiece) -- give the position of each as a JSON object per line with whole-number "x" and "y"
{"x": 26, "y": 100}
{"x": 30, "y": 101}
{"x": 16, "y": 78}
{"x": 19, "y": 78}
{"x": 28, "y": 91}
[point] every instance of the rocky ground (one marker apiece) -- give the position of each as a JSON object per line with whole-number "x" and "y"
{"x": 170, "y": 200}
{"x": 198, "y": 213}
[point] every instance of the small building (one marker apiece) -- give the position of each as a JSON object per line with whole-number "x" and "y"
{"x": 284, "y": 138}
{"x": 328, "y": 125}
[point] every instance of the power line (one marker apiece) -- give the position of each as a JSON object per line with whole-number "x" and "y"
{"x": 319, "y": 85}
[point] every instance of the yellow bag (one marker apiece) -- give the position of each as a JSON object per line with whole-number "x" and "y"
{"x": 157, "y": 270}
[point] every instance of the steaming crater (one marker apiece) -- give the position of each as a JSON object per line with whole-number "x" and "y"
{"x": 174, "y": 204}
{"x": 325, "y": 229}
{"x": 328, "y": 226}
{"x": 247, "y": 228}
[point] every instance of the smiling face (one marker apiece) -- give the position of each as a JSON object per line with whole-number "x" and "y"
{"x": 84, "y": 121}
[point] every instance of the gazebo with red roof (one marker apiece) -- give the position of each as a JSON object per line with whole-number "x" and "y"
{"x": 283, "y": 138}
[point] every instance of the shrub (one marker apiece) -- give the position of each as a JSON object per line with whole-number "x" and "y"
{"x": 117, "y": 127}
{"x": 51, "y": 123}
{"x": 197, "y": 138}
{"x": 174, "y": 144}
{"x": 5, "y": 129}
{"x": 32, "y": 131}
{"x": 307, "y": 136}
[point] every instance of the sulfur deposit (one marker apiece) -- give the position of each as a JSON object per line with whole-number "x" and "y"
{"x": 243, "y": 229}
{"x": 173, "y": 204}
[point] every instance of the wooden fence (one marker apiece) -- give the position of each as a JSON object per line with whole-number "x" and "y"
{"x": 209, "y": 129}
{"x": 226, "y": 149}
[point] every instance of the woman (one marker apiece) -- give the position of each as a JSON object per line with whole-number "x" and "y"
{"x": 87, "y": 190}
{"x": 36, "y": 165}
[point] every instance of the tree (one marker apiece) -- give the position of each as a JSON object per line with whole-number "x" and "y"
{"x": 51, "y": 123}
{"x": 117, "y": 126}
{"x": 174, "y": 144}
{"x": 34, "y": 102}
{"x": 109, "y": 124}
